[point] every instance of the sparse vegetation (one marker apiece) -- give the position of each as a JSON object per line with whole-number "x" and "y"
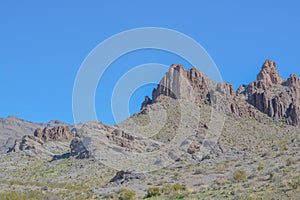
{"x": 34, "y": 195}
{"x": 179, "y": 187}
{"x": 295, "y": 183}
{"x": 240, "y": 175}
{"x": 289, "y": 161}
{"x": 153, "y": 192}
{"x": 125, "y": 194}
{"x": 260, "y": 167}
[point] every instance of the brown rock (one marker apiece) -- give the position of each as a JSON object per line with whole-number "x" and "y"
{"x": 181, "y": 84}
{"x": 123, "y": 139}
{"x": 269, "y": 73}
{"x": 293, "y": 114}
{"x": 273, "y": 96}
{"x": 57, "y": 133}
{"x": 196, "y": 87}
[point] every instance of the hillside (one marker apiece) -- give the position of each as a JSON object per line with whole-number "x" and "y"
{"x": 193, "y": 139}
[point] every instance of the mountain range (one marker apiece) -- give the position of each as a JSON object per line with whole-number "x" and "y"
{"x": 193, "y": 139}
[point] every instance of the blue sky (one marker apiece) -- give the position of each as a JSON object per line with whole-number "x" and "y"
{"x": 42, "y": 45}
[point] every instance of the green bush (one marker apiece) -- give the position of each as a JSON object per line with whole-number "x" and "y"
{"x": 153, "y": 192}
{"x": 260, "y": 167}
{"x": 176, "y": 191}
{"x": 240, "y": 175}
{"x": 167, "y": 189}
{"x": 178, "y": 187}
{"x": 125, "y": 194}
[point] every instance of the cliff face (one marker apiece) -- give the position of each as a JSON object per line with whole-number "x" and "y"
{"x": 195, "y": 86}
{"x": 274, "y": 96}
{"x": 269, "y": 94}
{"x": 181, "y": 84}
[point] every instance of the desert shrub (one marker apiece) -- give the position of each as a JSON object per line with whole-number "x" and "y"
{"x": 289, "y": 161}
{"x": 167, "y": 189}
{"x": 125, "y": 194}
{"x": 153, "y": 192}
{"x": 240, "y": 175}
{"x": 295, "y": 183}
{"x": 179, "y": 187}
{"x": 260, "y": 167}
{"x": 176, "y": 174}
{"x": 21, "y": 195}
{"x": 176, "y": 191}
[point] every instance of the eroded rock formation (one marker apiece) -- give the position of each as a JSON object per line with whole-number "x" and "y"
{"x": 274, "y": 96}
{"x": 181, "y": 84}
{"x": 26, "y": 143}
{"x": 270, "y": 93}
{"x": 57, "y": 133}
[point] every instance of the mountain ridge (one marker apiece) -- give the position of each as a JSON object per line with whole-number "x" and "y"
{"x": 202, "y": 137}
{"x": 281, "y": 104}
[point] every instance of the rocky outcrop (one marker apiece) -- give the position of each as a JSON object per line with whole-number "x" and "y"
{"x": 125, "y": 140}
{"x": 41, "y": 136}
{"x": 269, "y": 74}
{"x": 57, "y": 133}
{"x": 224, "y": 98}
{"x": 7, "y": 146}
{"x": 146, "y": 102}
{"x": 192, "y": 85}
{"x": 293, "y": 114}
{"x": 78, "y": 149}
{"x": 273, "y": 96}
{"x": 125, "y": 176}
{"x": 14, "y": 128}
{"x": 269, "y": 94}
{"x": 181, "y": 84}
{"x": 26, "y": 143}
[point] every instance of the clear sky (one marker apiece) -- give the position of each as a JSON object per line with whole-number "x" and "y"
{"x": 43, "y": 43}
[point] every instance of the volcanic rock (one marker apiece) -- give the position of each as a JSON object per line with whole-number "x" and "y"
{"x": 146, "y": 102}
{"x": 269, "y": 94}
{"x": 193, "y": 86}
{"x": 181, "y": 84}
{"x": 269, "y": 74}
{"x": 125, "y": 176}
{"x": 273, "y": 96}
{"x": 26, "y": 143}
{"x": 57, "y": 133}
{"x": 78, "y": 149}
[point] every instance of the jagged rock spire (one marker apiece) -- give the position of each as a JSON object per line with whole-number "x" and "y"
{"x": 180, "y": 84}
{"x": 269, "y": 73}
{"x": 269, "y": 94}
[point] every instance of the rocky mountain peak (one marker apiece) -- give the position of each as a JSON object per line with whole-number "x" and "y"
{"x": 269, "y": 73}
{"x": 293, "y": 81}
{"x": 188, "y": 84}
{"x": 274, "y": 96}
{"x": 178, "y": 67}
{"x": 269, "y": 94}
